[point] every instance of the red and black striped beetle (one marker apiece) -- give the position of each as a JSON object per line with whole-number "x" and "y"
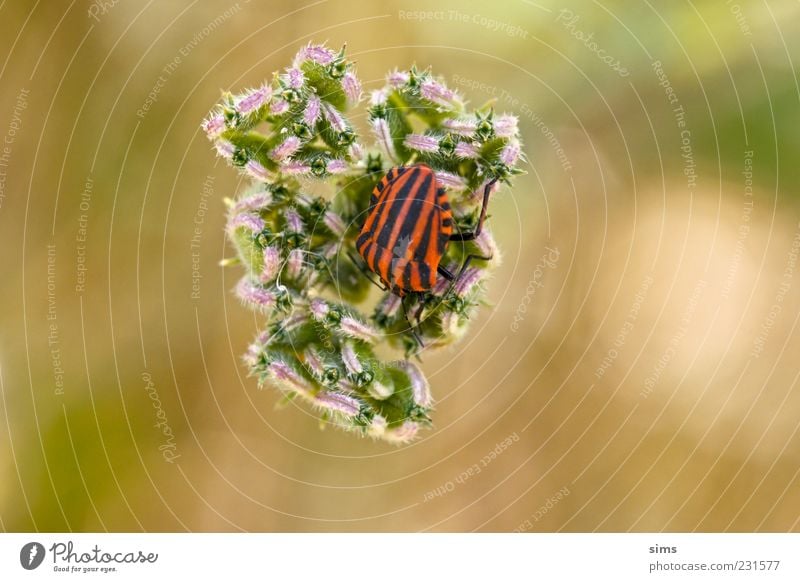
{"x": 409, "y": 224}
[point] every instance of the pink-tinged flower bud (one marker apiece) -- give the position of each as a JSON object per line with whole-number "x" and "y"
{"x": 356, "y": 152}
{"x": 397, "y": 78}
{"x": 420, "y": 389}
{"x": 285, "y": 149}
{"x": 462, "y": 126}
{"x": 294, "y": 78}
{"x": 319, "y": 309}
{"x": 422, "y": 143}
{"x": 341, "y": 403}
{"x": 378, "y": 97}
{"x": 314, "y": 363}
{"x": 350, "y": 359}
{"x": 294, "y": 321}
{"x": 402, "y": 434}
{"x": 257, "y": 348}
{"x": 334, "y": 118}
{"x": 257, "y": 201}
{"x": 337, "y": 166}
{"x": 252, "y": 222}
{"x": 487, "y": 245}
{"x": 505, "y": 125}
{"x": 225, "y": 148}
{"x": 312, "y": 111}
{"x": 294, "y": 264}
{"x": 253, "y": 100}
{"x": 315, "y": 53}
{"x": 254, "y": 294}
{"x": 438, "y": 93}
{"x": 464, "y": 149}
{"x": 389, "y": 306}
{"x": 257, "y": 171}
{"x": 334, "y": 222}
{"x": 467, "y": 281}
{"x": 510, "y": 153}
{"x": 357, "y": 329}
{"x": 294, "y": 222}
{"x": 380, "y": 391}
{"x": 352, "y": 88}
{"x": 294, "y": 168}
{"x": 284, "y": 375}
{"x": 279, "y": 107}
{"x": 377, "y": 427}
{"x": 214, "y": 126}
{"x": 381, "y": 130}
{"x": 271, "y": 265}
{"x": 451, "y": 181}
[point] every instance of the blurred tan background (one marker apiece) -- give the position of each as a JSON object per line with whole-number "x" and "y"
{"x": 650, "y": 381}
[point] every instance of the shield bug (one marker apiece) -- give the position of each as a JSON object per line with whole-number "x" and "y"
{"x": 408, "y": 227}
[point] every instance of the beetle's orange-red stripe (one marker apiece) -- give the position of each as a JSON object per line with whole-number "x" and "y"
{"x": 407, "y": 229}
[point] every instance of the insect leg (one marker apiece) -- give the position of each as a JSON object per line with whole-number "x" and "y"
{"x": 360, "y": 266}
{"x": 411, "y": 327}
{"x": 445, "y": 273}
{"x": 468, "y": 236}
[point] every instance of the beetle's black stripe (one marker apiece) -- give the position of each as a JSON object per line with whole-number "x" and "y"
{"x": 397, "y": 210}
{"x": 432, "y": 230}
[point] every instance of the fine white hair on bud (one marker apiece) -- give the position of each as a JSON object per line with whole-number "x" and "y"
{"x": 380, "y": 390}
{"x": 422, "y": 143}
{"x": 252, "y": 222}
{"x": 337, "y": 402}
{"x": 279, "y": 107}
{"x": 293, "y": 168}
{"x": 253, "y": 100}
{"x": 287, "y": 377}
{"x": 271, "y": 264}
{"x": 334, "y": 118}
{"x": 224, "y": 148}
{"x": 214, "y": 126}
{"x": 319, "y": 308}
{"x": 257, "y": 171}
{"x": 357, "y": 329}
{"x": 467, "y": 150}
{"x": 294, "y": 221}
{"x": 378, "y": 97}
{"x": 315, "y": 53}
{"x": 450, "y": 180}
{"x": 312, "y": 112}
{"x": 438, "y": 93}
{"x": 285, "y": 149}
{"x": 510, "y": 153}
{"x": 352, "y": 88}
{"x": 334, "y": 222}
{"x": 461, "y": 126}
{"x": 404, "y": 433}
{"x": 397, "y": 78}
{"x": 294, "y": 264}
{"x": 337, "y": 166}
{"x": 381, "y": 130}
{"x": 420, "y": 389}
{"x": 506, "y": 126}
{"x": 350, "y": 359}
{"x": 254, "y": 294}
{"x": 255, "y": 201}
{"x": 294, "y": 78}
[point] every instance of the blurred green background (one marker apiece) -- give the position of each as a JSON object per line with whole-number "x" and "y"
{"x": 650, "y": 382}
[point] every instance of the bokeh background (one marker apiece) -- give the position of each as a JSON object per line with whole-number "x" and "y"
{"x": 650, "y": 381}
